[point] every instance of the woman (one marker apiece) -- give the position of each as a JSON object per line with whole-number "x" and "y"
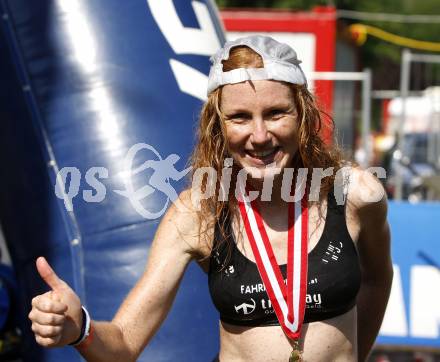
{"x": 260, "y": 116}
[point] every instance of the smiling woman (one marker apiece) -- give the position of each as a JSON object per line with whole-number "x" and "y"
{"x": 260, "y": 123}
{"x": 296, "y": 278}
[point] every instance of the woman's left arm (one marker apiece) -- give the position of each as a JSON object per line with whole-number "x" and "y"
{"x": 375, "y": 258}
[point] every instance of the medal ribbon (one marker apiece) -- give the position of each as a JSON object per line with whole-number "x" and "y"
{"x": 289, "y": 300}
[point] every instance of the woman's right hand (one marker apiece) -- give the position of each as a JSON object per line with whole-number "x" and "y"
{"x": 56, "y": 315}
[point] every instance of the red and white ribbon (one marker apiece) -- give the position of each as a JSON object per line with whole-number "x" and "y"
{"x": 289, "y": 300}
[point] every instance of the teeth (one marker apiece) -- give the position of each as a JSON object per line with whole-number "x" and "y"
{"x": 262, "y": 154}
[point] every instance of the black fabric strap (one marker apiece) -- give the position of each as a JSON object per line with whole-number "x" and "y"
{"x": 83, "y": 329}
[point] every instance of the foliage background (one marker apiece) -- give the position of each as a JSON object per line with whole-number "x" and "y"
{"x": 382, "y": 57}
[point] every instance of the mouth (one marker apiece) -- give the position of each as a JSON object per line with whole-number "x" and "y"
{"x": 264, "y": 156}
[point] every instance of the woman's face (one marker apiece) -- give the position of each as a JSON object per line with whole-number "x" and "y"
{"x": 261, "y": 125}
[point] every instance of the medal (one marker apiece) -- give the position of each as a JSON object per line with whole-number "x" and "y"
{"x": 296, "y": 355}
{"x": 289, "y": 300}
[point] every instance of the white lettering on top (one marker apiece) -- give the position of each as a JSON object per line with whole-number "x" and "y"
{"x": 425, "y": 301}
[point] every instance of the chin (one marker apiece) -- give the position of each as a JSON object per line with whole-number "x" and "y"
{"x": 260, "y": 173}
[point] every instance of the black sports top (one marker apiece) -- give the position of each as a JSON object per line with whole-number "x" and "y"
{"x": 333, "y": 277}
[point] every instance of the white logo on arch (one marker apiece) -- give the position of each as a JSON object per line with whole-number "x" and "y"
{"x": 185, "y": 40}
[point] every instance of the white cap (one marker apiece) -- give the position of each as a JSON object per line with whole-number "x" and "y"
{"x": 280, "y": 63}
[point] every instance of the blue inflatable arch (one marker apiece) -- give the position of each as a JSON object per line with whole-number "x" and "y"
{"x": 82, "y": 82}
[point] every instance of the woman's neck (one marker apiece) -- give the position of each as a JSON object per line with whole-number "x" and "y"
{"x": 269, "y": 191}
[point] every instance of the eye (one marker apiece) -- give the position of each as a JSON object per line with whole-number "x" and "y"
{"x": 276, "y": 113}
{"x": 238, "y": 117}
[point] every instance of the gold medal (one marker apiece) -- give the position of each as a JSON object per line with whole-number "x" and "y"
{"x": 296, "y": 355}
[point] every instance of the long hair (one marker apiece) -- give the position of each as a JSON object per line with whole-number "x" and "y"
{"x": 211, "y": 148}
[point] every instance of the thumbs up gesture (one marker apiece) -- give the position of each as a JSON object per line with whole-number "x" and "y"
{"x": 56, "y": 315}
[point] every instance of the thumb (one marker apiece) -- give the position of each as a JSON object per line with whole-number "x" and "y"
{"x": 48, "y": 275}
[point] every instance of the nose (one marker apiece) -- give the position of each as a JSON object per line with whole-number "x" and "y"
{"x": 260, "y": 133}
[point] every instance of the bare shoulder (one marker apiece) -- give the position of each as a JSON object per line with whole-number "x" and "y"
{"x": 183, "y": 221}
{"x": 366, "y": 195}
{"x": 367, "y": 203}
